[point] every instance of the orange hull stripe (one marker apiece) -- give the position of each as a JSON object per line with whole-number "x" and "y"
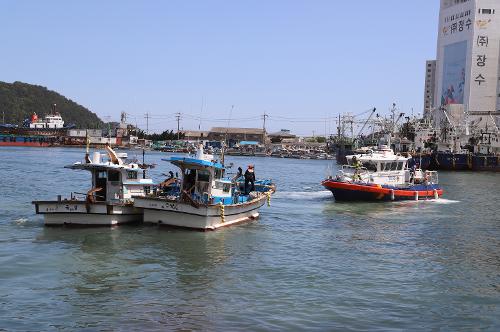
{"x": 379, "y": 190}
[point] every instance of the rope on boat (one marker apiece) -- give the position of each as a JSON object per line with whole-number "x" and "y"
{"x": 222, "y": 217}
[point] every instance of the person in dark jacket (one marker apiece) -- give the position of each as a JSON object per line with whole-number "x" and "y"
{"x": 249, "y": 180}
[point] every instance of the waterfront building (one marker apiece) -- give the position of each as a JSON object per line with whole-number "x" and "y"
{"x": 467, "y": 64}
{"x": 283, "y": 136}
{"x": 195, "y": 135}
{"x": 234, "y": 135}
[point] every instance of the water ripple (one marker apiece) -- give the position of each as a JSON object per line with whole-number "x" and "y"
{"x": 308, "y": 263}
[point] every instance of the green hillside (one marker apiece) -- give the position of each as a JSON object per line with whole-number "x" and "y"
{"x": 19, "y": 100}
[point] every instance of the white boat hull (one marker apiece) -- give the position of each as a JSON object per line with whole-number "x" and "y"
{"x": 87, "y": 214}
{"x": 210, "y": 217}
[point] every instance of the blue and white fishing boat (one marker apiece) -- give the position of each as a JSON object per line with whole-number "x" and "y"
{"x": 204, "y": 199}
{"x": 108, "y": 202}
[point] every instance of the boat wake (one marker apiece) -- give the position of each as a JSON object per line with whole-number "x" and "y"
{"x": 20, "y": 221}
{"x": 304, "y": 195}
{"x": 441, "y": 201}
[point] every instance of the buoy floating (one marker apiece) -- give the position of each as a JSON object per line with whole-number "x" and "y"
{"x": 222, "y": 217}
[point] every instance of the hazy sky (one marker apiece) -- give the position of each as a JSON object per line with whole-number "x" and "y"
{"x": 292, "y": 59}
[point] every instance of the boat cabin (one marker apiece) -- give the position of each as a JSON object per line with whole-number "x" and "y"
{"x": 51, "y": 121}
{"x": 203, "y": 179}
{"x": 379, "y": 166}
{"x": 114, "y": 181}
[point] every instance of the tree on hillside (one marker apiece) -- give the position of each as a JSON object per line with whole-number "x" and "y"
{"x": 18, "y": 101}
{"x": 167, "y": 135}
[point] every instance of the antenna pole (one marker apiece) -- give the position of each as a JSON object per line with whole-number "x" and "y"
{"x": 228, "y": 123}
{"x": 201, "y": 111}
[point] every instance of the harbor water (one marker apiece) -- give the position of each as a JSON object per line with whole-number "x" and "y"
{"x": 307, "y": 263}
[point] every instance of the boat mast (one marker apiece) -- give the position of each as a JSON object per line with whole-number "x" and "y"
{"x": 87, "y": 143}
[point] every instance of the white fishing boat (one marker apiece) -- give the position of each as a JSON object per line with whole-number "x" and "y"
{"x": 206, "y": 200}
{"x": 109, "y": 201}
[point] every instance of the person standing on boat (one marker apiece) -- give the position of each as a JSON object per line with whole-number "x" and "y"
{"x": 413, "y": 171}
{"x": 238, "y": 175}
{"x": 249, "y": 180}
{"x": 357, "y": 168}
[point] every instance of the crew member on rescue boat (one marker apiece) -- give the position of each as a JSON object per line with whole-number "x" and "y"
{"x": 357, "y": 166}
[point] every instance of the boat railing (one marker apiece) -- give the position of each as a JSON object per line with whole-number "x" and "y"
{"x": 353, "y": 169}
{"x": 431, "y": 177}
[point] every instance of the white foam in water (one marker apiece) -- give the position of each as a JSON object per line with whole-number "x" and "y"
{"x": 304, "y": 194}
{"x": 441, "y": 201}
{"x": 434, "y": 201}
{"x": 21, "y": 221}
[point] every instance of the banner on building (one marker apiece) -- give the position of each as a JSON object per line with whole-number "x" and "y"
{"x": 455, "y": 57}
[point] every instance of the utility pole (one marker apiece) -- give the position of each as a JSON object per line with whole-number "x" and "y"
{"x": 147, "y": 116}
{"x": 178, "y": 118}
{"x": 264, "y": 117}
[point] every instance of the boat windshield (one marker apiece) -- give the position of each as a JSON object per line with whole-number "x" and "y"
{"x": 202, "y": 183}
{"x": 369, "y": 165}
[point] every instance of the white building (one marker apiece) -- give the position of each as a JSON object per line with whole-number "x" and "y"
{"x": 430, "y": 85}
{"x": 467, "y": 66}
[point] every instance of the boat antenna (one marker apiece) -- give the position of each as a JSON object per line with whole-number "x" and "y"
{"x": 225, "y": 135}
{"x": 201, "y": 111}
{"x": 143, "y": 164}
{"x": 87, "y": 143}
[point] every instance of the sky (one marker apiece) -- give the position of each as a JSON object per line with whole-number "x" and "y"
{"x": 222, "y": 63}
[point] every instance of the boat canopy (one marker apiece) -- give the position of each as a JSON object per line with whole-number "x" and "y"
{"x": 108, "y": 165}
{"x": 185, "y": 162}
{"x": 249, "y": 143}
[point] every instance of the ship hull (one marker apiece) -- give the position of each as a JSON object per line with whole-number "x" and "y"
{"x": 33, "y": 144}
{"x": 422, "y": 161}
{"x": 486, "y": 163}
{"x": 205, "y": 217}
{"x": 16, "y": 140}
{"x": 81, "y": 213}
{"x": 344, "y": 191}
{"x": 453, "y": 161}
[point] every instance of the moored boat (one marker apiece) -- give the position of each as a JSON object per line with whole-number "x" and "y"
{"x": 486, "y": 162}
{"x": 381, "y": 175}
{"x": 109, "y": 201}
{"x": 35, "y": 132}
{"x": 206, "y": 200}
